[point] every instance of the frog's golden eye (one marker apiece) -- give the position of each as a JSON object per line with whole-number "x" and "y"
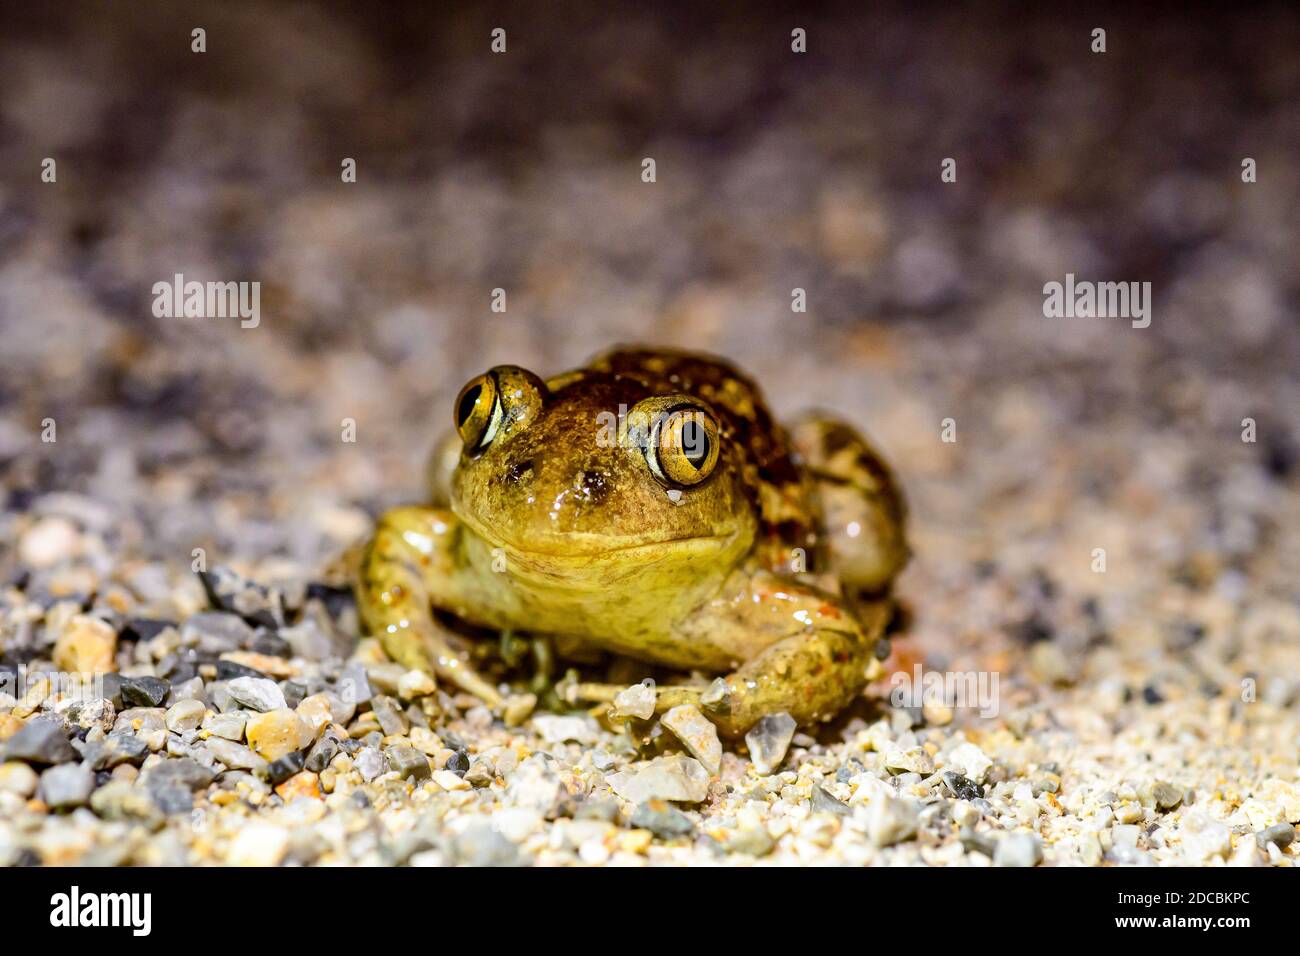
{"x": 478, "y": 412}
{"x": 683, "y": 446}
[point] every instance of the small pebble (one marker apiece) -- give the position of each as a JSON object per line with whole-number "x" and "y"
{"x": 40, "y": 742}
{"x": 1166, "y": 795}
{"x": 636, "y": 701}
{"x": 891, "y": 820}
{"x": 87, "y": 646}
{"x": 671, "y": 777}
{"x": 409, "y": 762}
{"x": 1018, "y": 849}
{"x": 697, "y": 734}
{"x": 257, "y": 693}
{"x": 185, "y": 715}
{"x": 144, "y": 691}
{"x": 371, "y": 763}
{"x": 276, "y": 733}
{"x": 768, "y": 740}
{"x": 557, "y": 729}
{"x": 458, "y": 763}
{"x": 1280, "y": 835}
{"x": 18, "y": 778}
{"x": 913, "y": 760}
{"x": 67, "y": 786}
{"x": 823, "y": 802}
{"x": 415, "y": 684}
{"x": 229, "y": 726}
{"x": 662, "y": 819}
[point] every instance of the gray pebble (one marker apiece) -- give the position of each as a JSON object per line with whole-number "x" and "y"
{"x": 370, "y": 763}
{"x": 409, "y": 762}
{"x": 662, "y": 819}
{"x": 390, "y": 717}
{"x": 191, "y": 689}
{"x": 281, "y": 770}
{"x": 67, "y": 786}
{"x": 183, "y": 772}
{"x": 171, "y": 799}
{"x": 353, "y": 686}
{"x": 322, "y": 751}
{"x": 231, "y": 591}
{"x": 256, "y": 693}
{"x": 823, "y": 802}
{"x": 768, "y": 740}
{"x": 1018, "y": 849}
{"x": 1280, "y": 835}
{"x": 144, "y": 691}
{"x": 1166, "y": 795}
{"x": 233, "y": 755}
{"x": 480, "y": 774}
{"x": 40, "y": 742}
{"x": 119, "y": 747}
{"x": 671, "y": 777}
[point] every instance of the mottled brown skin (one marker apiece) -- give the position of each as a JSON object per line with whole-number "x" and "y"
{"x": 773, "y": 571}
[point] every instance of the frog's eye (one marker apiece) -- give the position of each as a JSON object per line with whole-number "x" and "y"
{"x": 478, "y": 412}
{"x": 683, "y": 446}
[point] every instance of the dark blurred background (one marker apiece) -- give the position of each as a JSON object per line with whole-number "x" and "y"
{"x": 775, "y": 170}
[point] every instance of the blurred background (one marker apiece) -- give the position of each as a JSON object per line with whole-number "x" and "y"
{"x": 775, "y": 170}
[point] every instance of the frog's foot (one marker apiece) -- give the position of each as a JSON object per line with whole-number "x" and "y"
{"x": 818, "y": 651}
{"x": 810, "y": 676}
{"x": 861, "y": 503}
{"x": 811, "y": 673}
{"x": 410, "y": 557}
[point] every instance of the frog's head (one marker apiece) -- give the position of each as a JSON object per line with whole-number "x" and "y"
{"x": 600, "y": 470}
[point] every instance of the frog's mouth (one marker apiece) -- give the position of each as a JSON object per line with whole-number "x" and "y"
{"x": 573, "y": 549}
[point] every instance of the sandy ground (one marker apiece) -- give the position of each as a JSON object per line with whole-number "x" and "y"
{"x": 1144, "y": 713}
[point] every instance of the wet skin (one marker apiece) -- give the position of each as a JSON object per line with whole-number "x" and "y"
{"x": 648, "y": 505}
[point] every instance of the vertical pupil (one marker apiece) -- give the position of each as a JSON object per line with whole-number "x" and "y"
{"x": 695, "y": 443}
{"x": 467, "y": 403}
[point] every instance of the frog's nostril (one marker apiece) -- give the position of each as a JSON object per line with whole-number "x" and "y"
{"x": 593, "y": 486}
{"x": 519, "y": 470}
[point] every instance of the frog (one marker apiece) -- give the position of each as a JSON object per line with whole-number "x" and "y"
{"x": 649, "y": 506}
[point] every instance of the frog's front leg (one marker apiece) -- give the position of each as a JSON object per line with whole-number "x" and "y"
{"x": 818, "y": 651}
{"x": 409, "y": 565}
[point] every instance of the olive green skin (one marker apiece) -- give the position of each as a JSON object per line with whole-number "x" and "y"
{"x": 559, "y": 526}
